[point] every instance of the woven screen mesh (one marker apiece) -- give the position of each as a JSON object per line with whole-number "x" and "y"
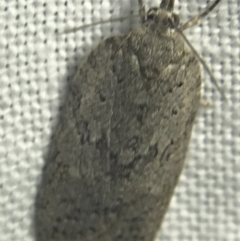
{"x": 36, "y": 64}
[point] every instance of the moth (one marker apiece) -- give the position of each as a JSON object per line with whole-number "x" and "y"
{"x": 119, "y": 147}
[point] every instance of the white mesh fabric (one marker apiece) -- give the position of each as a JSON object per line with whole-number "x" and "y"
{"x": 35, "y": 65}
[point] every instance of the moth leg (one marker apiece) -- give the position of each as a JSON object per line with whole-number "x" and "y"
{"x": 195, "y": 20}
{"x": 206, "y": 103}
{"x": 142, "y": 11}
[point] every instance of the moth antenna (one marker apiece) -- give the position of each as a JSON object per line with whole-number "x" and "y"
{"x": 164, "y": 4}
{"x": 193, "y": 21}
{"x": 167, "y": 4}
{"x": 142, "y": 11}
{"x": 203, "y": 63}
{"x": 73, "y": 30}
{"x": 171, "y": 5}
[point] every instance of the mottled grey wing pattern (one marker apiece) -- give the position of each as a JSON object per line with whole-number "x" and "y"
{"x": 120, "y": 145}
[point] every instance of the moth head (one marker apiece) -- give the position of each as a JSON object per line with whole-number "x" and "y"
{"x": 163, "y": 17}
